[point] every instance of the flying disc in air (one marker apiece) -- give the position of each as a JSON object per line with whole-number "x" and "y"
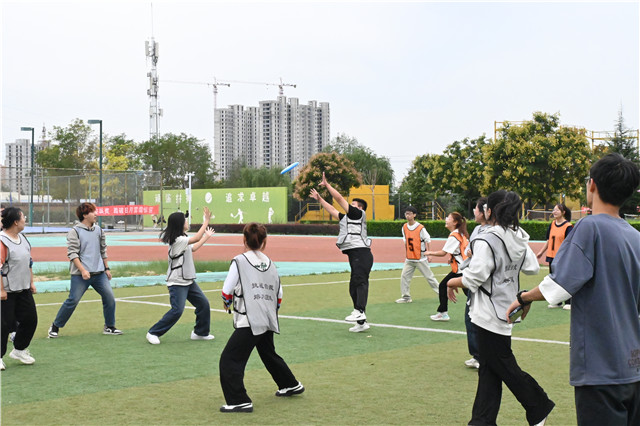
{"x": 289, "y": 168}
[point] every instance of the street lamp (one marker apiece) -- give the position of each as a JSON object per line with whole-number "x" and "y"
{"x": 100, "y": 123}
{"x": 188, "y": 177}
{"x": 26, "y": 129}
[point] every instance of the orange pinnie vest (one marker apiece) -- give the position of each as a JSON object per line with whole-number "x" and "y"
{"x": 556, "y": 237}
{"x": 464, "y": 242}
{"x": 413, "y": 243}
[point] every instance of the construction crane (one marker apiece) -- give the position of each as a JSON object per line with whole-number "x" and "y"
{"x": 280, "y": 85}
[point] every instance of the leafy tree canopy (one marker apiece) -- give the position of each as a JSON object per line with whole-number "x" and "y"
{"x": 339, "y": 170}
{"x": 242, "y": 176}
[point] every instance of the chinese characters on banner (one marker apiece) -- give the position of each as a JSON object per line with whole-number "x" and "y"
{"x": 129, "y": 210}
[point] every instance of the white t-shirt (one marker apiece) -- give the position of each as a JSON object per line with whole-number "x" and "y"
{"x": 425, "y": 238}
{"x": 452, "y": 246}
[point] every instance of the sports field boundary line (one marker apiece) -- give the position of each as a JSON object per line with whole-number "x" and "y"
{"x": 328, "y": 320}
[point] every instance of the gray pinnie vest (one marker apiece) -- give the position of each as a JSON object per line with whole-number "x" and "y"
{"x": 89, "y": 254}
{"x": 260, "y": 288}
{"x": 353, "y": 233}
{"x": 181, "y": 266}
{"x": 16, "y": 270}
{"x": 505, "y": 279}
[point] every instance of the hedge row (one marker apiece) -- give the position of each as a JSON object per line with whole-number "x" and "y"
{"x": 536, "y": 229}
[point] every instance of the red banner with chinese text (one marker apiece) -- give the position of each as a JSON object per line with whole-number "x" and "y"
{"x": 129, "y": 210}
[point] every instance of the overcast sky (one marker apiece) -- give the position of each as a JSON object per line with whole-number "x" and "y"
{"x": 404, "y": 78}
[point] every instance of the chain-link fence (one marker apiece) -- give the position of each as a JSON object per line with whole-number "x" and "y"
{"x": 57, "y": 192}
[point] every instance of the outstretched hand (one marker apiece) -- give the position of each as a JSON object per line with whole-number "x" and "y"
{"x": 209, "y": 231}
{"x": 207, "y": 214}
{"x": 324, "y": 182}
{"x": 314, "y": 194}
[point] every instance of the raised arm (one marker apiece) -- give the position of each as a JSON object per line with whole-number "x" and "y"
{"x": 205, "y": 224}
{"x": 335, "y": 194}
{"x": 328, "y": 207}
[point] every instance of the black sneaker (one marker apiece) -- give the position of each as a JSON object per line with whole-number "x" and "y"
{"x": 53, "y": 331}
{"x": 111, "y": 330}
{"x": 240, "y": 408}
{"x": 290, "y": 391}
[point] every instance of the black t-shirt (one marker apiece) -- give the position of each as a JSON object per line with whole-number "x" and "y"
{"x": 353, "y": 213}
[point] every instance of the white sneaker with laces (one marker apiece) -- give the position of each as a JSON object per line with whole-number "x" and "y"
{"x": 195, "y": 336}
{"x": 567, "y": 307}
{"x": 440, "y": 316}
{"x": 153, "y": 339}
{"x": 356, "y": 315}
{"x": 358, "y": 328}
{"x": 23, "y": 356}
{"x": 472, "y": 363}
{"x": 404, "y": 300}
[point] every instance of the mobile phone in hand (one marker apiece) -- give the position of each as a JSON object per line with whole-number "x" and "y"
{"x": 516, "y": 313}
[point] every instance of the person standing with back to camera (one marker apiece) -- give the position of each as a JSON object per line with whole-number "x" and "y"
{"x": 352, "y": 241}
{"x": 253, "y": 287}
{"x": 558, "y": 230}
{"x": 500, "y": 253}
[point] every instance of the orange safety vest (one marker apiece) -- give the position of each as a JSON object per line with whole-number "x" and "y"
{"x": 556, "y": 237}
{"x": 464, "y": 242}
{"x": 413, "y": 243}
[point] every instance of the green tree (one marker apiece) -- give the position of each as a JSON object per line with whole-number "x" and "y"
{"x": 242, "y": 176}
{"x": 415, "y": 188}
{"x": 375, "y": 170}
{"x": 340, "y": 172}
{"x": 177, "y": 155}
{"x": 121, "y": 153}
{"x": 627, "y": 146}
{"x": 538, "y": 159}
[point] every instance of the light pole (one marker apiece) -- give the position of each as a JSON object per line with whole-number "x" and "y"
{"x": 188, "y": 177}
{"x": 26, "y": 129}
{"x": 100, "y": 199}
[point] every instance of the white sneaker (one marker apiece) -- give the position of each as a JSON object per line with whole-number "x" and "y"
{"x": 297, "y": 389}
{"x": 356, "y": 315}
{"x": 240, "y": 408}
{"x": 472, "y": 363}
{"x": 153, "y": 339}
{"x": 194, "y": 336}
{"x": 2, "y": 366}
{"x": 554, "y": 306}
{"x": 23, "y": 356}
{"x": 359, "y": 328}
{"x": 404, "y": 300}
{"x": 567, "y": 307}
{"x": 440, "y": 316}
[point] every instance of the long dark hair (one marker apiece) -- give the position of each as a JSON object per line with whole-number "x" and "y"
{"x": 174, "y": 229}
{"x": 505, "y": 208}
{"x": 566, "y": 213}
{"x": 9, "y": 216}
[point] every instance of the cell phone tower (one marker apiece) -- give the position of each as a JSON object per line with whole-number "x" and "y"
{"x": 152, "y": 52}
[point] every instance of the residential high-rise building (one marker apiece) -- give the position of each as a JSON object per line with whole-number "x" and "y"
{"x": 17, "y": 170}
{"x": 276, "y": 133}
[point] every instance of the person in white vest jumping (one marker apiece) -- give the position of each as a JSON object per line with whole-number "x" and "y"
{"x": 352, "y": 241}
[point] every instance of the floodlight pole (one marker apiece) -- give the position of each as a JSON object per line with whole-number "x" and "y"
{"x": 26, "y": 129}
{"x": 100, "y": 199}
{"x": 188, "y": 176}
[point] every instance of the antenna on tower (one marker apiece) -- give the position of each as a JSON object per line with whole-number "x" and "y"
{"x": 152, "y": 51}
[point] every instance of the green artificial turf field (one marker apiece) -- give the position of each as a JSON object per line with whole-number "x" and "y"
{"x": 406, "y": 369}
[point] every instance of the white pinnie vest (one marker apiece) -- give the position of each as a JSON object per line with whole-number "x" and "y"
{"x": 505, "y": 279}
{"x": 181, "y": 266}
{"x": 257, "y": 295}
{"x": 16, "y": 271}
{"x": 353, "y": 233}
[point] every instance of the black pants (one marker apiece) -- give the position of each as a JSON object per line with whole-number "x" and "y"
{"x": 361, "y": 262}
{"x": 233, "y": 361}
{"x": 19, "y": 307}
{"x": 442, "y": 292}
{"x": 498, "y": 365}
{"x": 608, "y": 405}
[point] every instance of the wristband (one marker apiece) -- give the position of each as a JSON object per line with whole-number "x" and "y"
{"x": 107, "y": 269}
{"x": 519, "y": 297}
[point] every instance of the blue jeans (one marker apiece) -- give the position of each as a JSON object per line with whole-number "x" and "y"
{"x": 101, "y": 284}
{"x": 178, "y": 295}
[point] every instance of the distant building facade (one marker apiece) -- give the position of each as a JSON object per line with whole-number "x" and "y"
{"x": 276, "y": 133}
{"x": 16, "y": 176}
